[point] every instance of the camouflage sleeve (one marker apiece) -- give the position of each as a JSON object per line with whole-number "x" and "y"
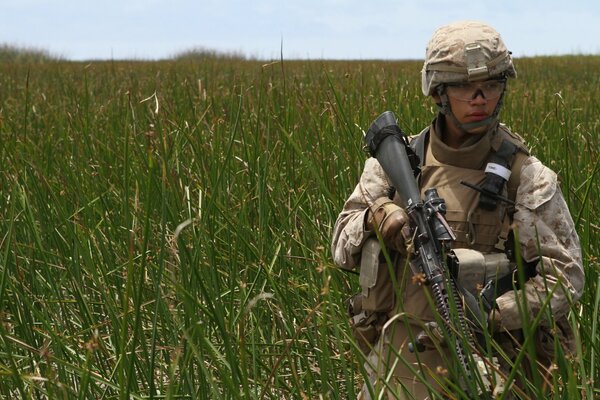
{"x": 349, "y": 231}
{"x": 546, "y": 231}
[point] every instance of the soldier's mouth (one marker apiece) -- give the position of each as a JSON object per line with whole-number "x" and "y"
{"x": 476, "y": 116}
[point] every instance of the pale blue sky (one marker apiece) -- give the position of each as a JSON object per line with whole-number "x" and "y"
{"x": 309, "y": 29}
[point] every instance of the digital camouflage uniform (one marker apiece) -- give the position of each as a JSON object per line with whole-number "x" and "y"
{"x": 545, "y": 232}
{"x": 541, "y": 215}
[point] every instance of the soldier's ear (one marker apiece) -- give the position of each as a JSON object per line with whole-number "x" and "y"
{"x": 438, "y": 100}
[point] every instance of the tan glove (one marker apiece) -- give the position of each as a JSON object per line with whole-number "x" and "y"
{"x": 430, "y": 338}
{"x": 392, "y": 222}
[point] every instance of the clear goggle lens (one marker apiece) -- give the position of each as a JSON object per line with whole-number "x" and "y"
{"x": 469, "y": 91}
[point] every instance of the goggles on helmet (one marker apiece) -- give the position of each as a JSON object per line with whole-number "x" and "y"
{"x": 468, "y": 91}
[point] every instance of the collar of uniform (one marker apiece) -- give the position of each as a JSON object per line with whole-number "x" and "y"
{"x": 472, "y": 154}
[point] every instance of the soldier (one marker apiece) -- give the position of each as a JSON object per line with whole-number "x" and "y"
{"x": 466, "y": 69}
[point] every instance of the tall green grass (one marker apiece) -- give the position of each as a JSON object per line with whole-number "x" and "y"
{"x": 165, "y": 226}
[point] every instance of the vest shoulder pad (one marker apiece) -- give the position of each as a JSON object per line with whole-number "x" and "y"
{"x": 504, "y": 133}
{"x": 418, "y": 143}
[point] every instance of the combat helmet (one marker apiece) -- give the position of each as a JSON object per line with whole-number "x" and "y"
{"x": 461, "y": 52}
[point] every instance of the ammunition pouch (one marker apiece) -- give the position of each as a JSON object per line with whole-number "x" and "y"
{"x": 375, "y": 281}
{"x": 368, "y": 310}
{"x": 473, "y": 270}
{"x": 366, "y": 325}
{"x": 477, "y": 276}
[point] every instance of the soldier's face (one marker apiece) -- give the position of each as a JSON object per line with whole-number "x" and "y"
{"x": 476, "y": 109}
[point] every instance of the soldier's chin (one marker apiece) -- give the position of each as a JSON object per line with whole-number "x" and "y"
{"x": 478, "y": 130}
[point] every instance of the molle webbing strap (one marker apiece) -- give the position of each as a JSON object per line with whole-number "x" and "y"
{"x": 512, "y": 186}
{"x": 497, "y": 173}
{"x": 515, "y": 178}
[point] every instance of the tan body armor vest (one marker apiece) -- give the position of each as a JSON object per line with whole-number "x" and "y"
{"x": 474, "y": 227}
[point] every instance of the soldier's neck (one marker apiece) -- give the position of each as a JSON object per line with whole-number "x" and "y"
{"x": 472, "y": 153}
{"x": 454, "y": 137}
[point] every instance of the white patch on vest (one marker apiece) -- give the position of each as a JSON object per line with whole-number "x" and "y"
{"x": 498, "y": 170}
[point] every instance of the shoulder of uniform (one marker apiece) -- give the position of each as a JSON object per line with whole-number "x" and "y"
{"x": 373, "y": 168}
{"x": 504, "y": 133}
{"x": 538, "y": 183}
{"x": 371, "y": 164}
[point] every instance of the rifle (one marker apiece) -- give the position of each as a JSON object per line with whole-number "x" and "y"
{"x": 432, "y": 235}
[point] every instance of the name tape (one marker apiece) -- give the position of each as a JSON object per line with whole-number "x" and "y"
{"x": 499, "y": 170}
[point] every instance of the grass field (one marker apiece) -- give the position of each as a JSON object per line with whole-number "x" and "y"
{"x": 165, "y": 226}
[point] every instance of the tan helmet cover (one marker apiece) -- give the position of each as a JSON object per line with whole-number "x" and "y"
{"x": 464, "y": 51}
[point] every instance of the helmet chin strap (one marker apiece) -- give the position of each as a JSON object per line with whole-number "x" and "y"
{"x": 446, "y": 110}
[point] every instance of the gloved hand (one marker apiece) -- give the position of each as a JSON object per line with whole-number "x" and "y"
{"x": 483, "y": 314}
{"x": 494, "y": 321}
{"x": 488, "y": 304}
{"x": 431, "y": 337}
{"x": 392, "y": 222}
